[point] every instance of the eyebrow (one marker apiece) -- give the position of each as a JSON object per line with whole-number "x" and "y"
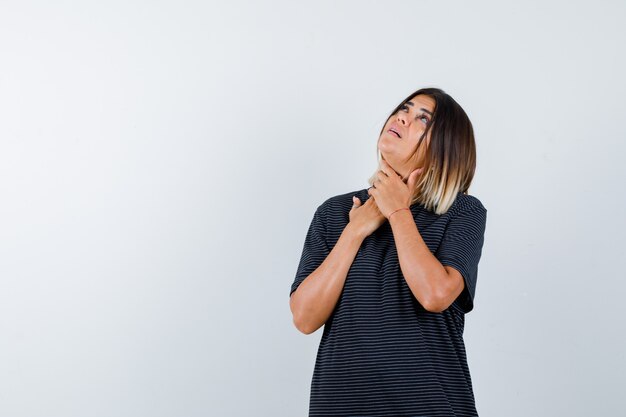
{"x": 410, "y": 103}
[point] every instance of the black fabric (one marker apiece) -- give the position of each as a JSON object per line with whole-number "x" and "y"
{"x": 381, "y": 353}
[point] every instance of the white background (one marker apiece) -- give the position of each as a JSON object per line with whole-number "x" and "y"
{"x": 161, "y": 162}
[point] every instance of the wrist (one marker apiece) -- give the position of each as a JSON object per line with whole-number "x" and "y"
{"x": 352, "y": 231}
{"x": 396, "y": 211}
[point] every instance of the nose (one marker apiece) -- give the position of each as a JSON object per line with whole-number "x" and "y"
{"x": 401, "y": 117}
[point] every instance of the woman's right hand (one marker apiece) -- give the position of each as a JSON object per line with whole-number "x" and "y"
{"x": 365, "y": 218}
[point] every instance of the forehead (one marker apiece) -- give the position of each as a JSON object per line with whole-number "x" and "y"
{"x": 422, "y": 101}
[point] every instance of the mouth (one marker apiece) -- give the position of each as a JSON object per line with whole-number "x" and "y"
{"x": 393, "y": 132}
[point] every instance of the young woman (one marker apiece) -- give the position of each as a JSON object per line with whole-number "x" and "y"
{"x": 390, "y": 272}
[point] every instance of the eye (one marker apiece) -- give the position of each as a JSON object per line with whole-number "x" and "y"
{"x": 426, "y": 119}
{"x": 423, "y": 116}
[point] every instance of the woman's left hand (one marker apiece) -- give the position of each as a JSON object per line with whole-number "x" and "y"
{"x": 390, "y": 192}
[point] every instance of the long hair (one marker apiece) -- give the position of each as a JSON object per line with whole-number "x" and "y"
{"x": 449, "y": 160}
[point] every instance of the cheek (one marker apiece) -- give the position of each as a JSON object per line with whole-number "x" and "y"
{"x": 415, "y": 137}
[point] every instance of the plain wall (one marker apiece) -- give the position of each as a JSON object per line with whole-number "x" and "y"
{"x": 161, "y": 162}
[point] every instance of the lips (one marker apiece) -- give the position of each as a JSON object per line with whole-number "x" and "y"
{"x": 394, "y": 129}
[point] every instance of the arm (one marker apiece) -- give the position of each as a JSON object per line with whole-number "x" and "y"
{"x": 434, "y": 286}
{"x": 314, "y": 300}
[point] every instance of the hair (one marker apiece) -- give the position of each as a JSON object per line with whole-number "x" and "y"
{"x": 450, "y": 158}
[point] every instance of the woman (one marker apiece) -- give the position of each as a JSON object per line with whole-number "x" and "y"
{"x": 390, "y": 271}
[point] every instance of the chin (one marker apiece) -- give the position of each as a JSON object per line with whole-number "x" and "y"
{"x": 389, "y": 153}
{"x": 386, "y": 148}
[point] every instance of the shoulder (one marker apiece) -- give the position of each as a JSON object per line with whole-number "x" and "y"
{"x": 465, "y": 203}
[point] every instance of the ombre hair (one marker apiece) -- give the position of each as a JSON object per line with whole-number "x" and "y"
{"x": 450, "y": 158}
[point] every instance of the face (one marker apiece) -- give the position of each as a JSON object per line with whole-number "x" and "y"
{"x": 400, "y": 149}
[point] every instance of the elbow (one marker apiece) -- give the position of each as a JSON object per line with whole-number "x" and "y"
{"x": 435, "y": 304}
{"x": 440, "y": 297}
{"x": 433, "y": 307}
{"x": 298, "y": 322}
{"x": 302, "y": 326}
{"x": 304, "y": 329}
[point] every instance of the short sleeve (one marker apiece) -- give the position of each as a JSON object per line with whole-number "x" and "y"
{"x": 315, "y": 248}
{"x": 461, "y": 248}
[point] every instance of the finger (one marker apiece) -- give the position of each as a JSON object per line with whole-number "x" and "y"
{"x": 355, "y": 201}
{"x": 413, "y": 178}
{"x": 378, "y": 177}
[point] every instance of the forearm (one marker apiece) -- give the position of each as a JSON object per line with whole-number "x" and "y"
{"x": 424, "y": 274}
{"x": 314, "y": 300}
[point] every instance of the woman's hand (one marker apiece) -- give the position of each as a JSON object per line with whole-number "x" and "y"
{"x": 390, "y": 192}
{"x": 365, "y": 218}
